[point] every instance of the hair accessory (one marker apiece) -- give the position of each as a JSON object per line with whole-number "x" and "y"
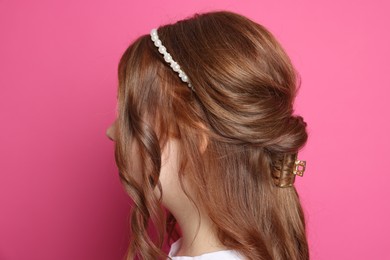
{"x": 168, "y": 58}
{"x": 299, "y": 167}
{"x": 289, "y": 171}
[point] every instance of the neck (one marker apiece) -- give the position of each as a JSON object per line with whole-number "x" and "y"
{"x": 196, "y": 240}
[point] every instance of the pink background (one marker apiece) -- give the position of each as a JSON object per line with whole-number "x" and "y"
{"x": 60, "y": 196}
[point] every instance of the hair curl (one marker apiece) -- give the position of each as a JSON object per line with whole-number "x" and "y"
{"x": 245, "y": 88}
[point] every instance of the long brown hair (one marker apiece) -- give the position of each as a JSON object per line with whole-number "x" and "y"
{"x": 245, "y": 86}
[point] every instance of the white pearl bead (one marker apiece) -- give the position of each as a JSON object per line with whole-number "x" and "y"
{"x": 158, "y": 43}
{"x": 176, "y": 67}
{"x": 162, "y": 49}
{"x": 167, "y": 57}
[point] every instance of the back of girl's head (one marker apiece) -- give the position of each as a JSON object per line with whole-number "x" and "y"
{"x": 241, "y": 108}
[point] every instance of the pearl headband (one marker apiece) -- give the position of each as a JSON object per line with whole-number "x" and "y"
{"x": 168, "y": 58}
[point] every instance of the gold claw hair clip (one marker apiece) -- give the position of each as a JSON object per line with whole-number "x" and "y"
{"x": 287, "y": 176}
{"x": 299, "y": 167}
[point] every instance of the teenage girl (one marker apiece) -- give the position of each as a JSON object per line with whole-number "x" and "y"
{"x": 206, "y": 142}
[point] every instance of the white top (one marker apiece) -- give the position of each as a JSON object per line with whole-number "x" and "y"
{"x": 222, "y": 254}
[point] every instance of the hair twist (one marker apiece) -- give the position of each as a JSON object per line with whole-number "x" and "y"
{"x": 284, "y": 150}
